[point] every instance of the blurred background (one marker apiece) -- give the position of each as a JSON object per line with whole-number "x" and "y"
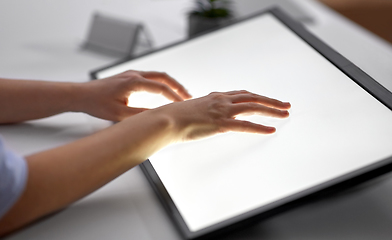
{"x": 44, "y": 39}
{"x": 374, "y": 15}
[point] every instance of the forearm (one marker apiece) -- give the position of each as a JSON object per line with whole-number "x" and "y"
{"x": 63, "y": 175}
{"x": 22, "y": 100}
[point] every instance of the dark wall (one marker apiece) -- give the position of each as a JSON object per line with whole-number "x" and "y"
{"x": 375, "y": 15}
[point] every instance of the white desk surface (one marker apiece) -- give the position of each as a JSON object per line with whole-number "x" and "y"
{"x": 34, "y": 47}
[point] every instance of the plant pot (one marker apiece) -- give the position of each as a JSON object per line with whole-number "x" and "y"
{"x": 198, "y": 24}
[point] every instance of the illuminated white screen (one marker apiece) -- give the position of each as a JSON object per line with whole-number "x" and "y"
{"x": 334, "y": 128}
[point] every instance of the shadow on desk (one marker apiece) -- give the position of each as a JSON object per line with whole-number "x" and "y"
{"x": 39, "y": 135}
{"x": 83, "y": 217}
{"x": 362, "y": 212}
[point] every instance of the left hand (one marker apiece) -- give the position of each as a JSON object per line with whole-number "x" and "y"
{"x": 216, "y": 113}
{"x": 108, "y": 98}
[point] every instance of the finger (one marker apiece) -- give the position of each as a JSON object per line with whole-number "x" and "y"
{"x": 255, "y": 108}
{"x": 236, "y": 92}
{"x": 248, "y": 127}
{"x": 159, "y": 88}
{"x": 251, "y": 97}
{"x": 167, "y": 79}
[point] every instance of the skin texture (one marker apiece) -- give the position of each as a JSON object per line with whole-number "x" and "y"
{"x": 106, "y": 99}
{"x": 60, "y": 176}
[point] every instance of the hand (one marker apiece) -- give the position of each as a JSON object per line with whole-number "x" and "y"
{"x": 60, "y": 176}
{"x": 108, "y": 98}
{"x": 216, "y": 113}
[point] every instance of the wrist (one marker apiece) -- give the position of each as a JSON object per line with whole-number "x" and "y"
{"x": 78, "y": 93}
{"x": 175, "y": 121}
{"x": 146, "y": 133}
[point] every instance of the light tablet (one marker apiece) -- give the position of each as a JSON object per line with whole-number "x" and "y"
{"x": 340, "y": 124}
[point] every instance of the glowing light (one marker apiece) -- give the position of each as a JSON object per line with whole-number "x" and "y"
{"x": 147, "y": 100}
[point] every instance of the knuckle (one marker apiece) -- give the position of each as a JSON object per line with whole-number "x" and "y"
{"x": 218, "y": 105}
{"x": 253, "y": 97}
{"x": 251, "y": 105}
{"x": 216, "y": 95}
{"x": 128, "y": 76}
{"x": 163, "y": 87}
{"x": 220, "y": 110}
{"x": 129, "y": 73}
{"x": 135, "y": 80}
{"x": 164, "y": 74}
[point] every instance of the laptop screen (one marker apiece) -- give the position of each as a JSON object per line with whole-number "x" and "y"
{"x": 335, "y": 127}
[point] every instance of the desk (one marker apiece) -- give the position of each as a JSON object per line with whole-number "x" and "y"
{"x": 127, "y": 207}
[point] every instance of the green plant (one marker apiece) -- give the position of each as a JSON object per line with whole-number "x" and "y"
{"x": 213, "y": 8}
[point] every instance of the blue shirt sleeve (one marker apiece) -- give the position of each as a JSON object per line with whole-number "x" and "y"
{"x": 13, "y": 176}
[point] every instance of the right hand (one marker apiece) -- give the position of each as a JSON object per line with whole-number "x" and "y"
{"x": 108, "y": 98}
{"x": 216, "y": 112}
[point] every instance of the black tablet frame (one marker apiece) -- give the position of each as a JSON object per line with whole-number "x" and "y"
{"x": 353, "y": 178}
